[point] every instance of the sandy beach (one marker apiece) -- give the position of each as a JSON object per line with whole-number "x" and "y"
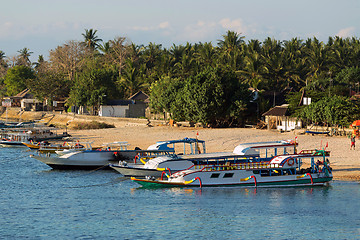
{"x": 345, "y": 162}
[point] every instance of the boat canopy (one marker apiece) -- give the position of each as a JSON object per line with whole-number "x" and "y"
{"x": 170, "y": 145}
{"x": 119, "y": 145}
{"x": 254, "y": 148}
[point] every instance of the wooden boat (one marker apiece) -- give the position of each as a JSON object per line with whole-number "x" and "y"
{"x": 280, "y": 171}
{"x": 317, "y": 132}
{"x": 155, "y": 166}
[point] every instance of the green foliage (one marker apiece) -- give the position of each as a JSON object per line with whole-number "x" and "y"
{"x": 333, "y": 111}
{"x": 48, "y": 85}
{"x": 92, "y": 86}
{"x": 16, "y": 78}
{"x": 194, "y": 82}
{"x": 213, "y": 97}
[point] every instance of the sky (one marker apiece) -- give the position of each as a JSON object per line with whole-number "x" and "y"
{"x": 42, "y": 25}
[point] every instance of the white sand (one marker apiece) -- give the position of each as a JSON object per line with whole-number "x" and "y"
{"x": 345, "y": 162}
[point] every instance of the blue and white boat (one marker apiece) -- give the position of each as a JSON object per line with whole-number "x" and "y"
{"x": 280, "y": 171}
{"x": 155, "y": 166}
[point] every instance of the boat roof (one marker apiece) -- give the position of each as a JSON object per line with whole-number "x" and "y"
{"x": 117, "y": 144}
{"x": 204, "y": 156}
{"x": 281, "y": 159}
{"x": 246, "y": 148}
{"x": 162, "y": 145}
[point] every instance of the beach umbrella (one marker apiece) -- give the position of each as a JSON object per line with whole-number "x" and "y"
{"x": 356, "y": 123}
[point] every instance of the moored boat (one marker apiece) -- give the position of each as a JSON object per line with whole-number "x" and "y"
{"x": 154, "y": 167}
{"x": 112, "y": 153}
{"x": 18, "y": 136}
{"x": 280, "y": 171}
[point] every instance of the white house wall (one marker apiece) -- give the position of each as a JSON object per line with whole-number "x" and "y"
{"x": 114, "y": 111}
{"x": 289, "y": 124}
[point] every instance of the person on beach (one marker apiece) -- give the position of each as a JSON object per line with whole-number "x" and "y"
{"x": 352, "y": 142}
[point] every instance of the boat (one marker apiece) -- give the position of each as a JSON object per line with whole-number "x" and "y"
{"x": 59, "y": 148}
{"x": 282, "y": 170}
{"x": 4, "y": 125}
{"x": 317, "y": 132}
{"x": 155, "y": 166}
{"x": 112, "y": 153}
{"x": 16, "y": 137}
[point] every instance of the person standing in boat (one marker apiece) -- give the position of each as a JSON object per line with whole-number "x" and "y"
{"x": 352, "y": 142}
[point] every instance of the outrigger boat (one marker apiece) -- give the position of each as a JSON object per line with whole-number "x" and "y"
{"x": 282, "y": 170}
{"x": 112, "y": 153}
{"x": 154, "y": 167}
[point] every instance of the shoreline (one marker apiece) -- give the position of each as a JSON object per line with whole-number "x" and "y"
{"x": 344, "y": 162}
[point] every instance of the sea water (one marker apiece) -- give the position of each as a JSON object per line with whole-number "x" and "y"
{"x": 39, "y": 203}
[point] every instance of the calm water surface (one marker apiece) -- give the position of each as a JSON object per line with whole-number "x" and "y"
{"x": 39, "y": 203}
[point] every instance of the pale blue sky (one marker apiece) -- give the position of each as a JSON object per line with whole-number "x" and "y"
{"x": 42, "y": 25}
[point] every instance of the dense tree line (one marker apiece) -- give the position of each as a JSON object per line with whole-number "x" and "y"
{"x": 215, "y": 84}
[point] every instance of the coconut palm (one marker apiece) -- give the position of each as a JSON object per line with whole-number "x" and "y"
{"x": 23, "y": 58}
{"x": 231, "y": 41}
{"x": 231, "y": 49}
{"x": 90, "y": 39}
{"x": 131, "y": 78}
{"x": 206, "y": 54}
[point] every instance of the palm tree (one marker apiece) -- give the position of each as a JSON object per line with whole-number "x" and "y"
{"x": 253, "y": 70}
{"x": 2, "y": 55}
{"x": 206, "y": 54}
{"x": 317, "y": 59}
{"x": 105, "y": 48}
{"x": 40, "y": 64}
{"x": 232, "y": 40}
{"x": 131, "y": 78}
{"x": 23, "y": 58}
{"x": 231, "y": 49}
{"x": 3, "y": 64}
{"x": 90, "y": 39}
{"x": 176, "y": 53}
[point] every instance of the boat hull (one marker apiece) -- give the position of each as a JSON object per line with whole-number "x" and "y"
{"x": 136, "y": 172}
{"x": 78, "y": 160}
{"x": 11, "y": 144}
{"x": 204, "y": 180}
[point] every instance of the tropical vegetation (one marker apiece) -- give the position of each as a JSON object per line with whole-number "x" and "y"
{"x": 228, "y": 83}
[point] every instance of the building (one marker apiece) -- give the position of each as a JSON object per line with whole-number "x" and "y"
{"x": 26, "y": 101}
{"x": 134, "y": 107}
{"x": 278, "y": 118}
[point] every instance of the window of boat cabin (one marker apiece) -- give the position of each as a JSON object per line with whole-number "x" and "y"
{"x": 215, "y": 175}
{"x": 228, "y": 175}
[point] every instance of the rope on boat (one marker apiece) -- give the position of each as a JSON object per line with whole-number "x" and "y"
{"x": 116, "y": 180}
{"x": 92, "y": 171}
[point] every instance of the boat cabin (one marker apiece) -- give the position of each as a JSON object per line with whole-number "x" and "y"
{"x": 189, "y": 146}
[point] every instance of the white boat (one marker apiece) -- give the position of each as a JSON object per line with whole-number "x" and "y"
{"x": 280, "y": 171}
{"x": 15, "y": 137}
{"x": 71, "y": 147}
{"x": 112, "y": 153}
{"x": 155, "y": 166}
